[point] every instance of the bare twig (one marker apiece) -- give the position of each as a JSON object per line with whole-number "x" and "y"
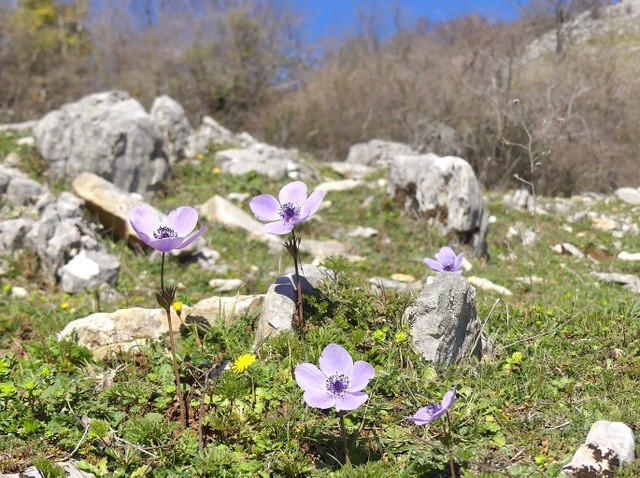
{"x": 137, "y": 447}
{"x": 85, "y": 422}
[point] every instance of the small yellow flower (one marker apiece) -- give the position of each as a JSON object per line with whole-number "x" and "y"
{"x": 64, "y": 305}
{"x": 177, "y": 306}
{"x": 242, "y": 363}
{"x": 200, "y": 156}
{"x": 216, "y": 170}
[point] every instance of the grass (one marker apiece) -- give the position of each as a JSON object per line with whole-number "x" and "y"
{"x": 567, "y": 353}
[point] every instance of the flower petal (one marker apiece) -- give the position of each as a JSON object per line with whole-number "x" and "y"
{"x": 351, "y": 401}
{"x": 458, "y": 262}
{"x": 433, "y": 265}
{"x": 192, "y": 238}
{"x": 449, "y": 398}
{"x": 309, "y": 377}
{"x": 319, "y": 399}
{"x": 420, "y": 419}
{"x": 360, "y": 376}
{"x": 295, "y": 192}
{"x": 335, "y": 359}
{"x": 429, "y": 413}
{"x": 265, "y": 207}
{"x": 278, "y": 227}
{"x": 144, "y": 221}
{"x": 311, "y": 205}
{"x": 446, "y": 254}
{"x": 167, "y": 244}
{"x": 182, "y": 220}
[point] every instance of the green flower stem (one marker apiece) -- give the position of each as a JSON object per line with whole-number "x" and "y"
{"x": 165, "y": 298}
{"x": 293, "y": 246}
{"x": 345, "y": 441}
{"x": 449, "y": 439}
{"x": 162, "y": 276}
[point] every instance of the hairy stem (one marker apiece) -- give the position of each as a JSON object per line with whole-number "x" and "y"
{"x": 345, "y": 441}
{"x": 449, "y": 438}
{"x": 166, "y": 303}
{"x": 293, "y": 246}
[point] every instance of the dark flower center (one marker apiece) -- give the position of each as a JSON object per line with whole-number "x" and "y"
{"x": 337, "y": 384}
{"x": 164, "y": 232}
{"x": 289, "y": 212}
{"x": 433, "y": 408}
{"x": 448, "y": 265}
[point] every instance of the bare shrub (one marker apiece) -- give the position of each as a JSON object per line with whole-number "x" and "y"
{"x": 220, "y": 58}
{"x": 474, "y": 77}
{"x": 44, "y": 50}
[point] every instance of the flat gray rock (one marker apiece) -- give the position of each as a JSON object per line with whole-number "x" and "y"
{"x": 126, "y": 329}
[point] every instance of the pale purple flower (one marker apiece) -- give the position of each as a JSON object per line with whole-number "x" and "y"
{"x": 446, "y": 261}
{"x": 337, "y": 383}
{"x": 433, "y": 411}
{"x": 293, "y": 207}
{"x": 170, "y": 235}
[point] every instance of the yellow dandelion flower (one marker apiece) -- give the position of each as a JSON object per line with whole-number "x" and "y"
{"x": 216, "y": 170}
{"x": 242, "y": 363}
{"x": 64, "y": 305}
{"x": 200, "y": 156}
{"x": 177, "y": 306}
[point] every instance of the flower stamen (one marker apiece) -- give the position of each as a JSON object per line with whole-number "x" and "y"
{"x": 337, "y": 384}
{"x": 164, "y": 232}
{"x": 289, "y": 212}
{"x": 448, "y": 266}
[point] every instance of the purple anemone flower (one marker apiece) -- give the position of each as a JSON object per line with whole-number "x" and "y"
{"x": 170, "y": 235}
{"x": 426, "y": 415}
{"x": 446, "y": 261}
{"x": 294, "y": 207}
{"x": 337, "y": 383}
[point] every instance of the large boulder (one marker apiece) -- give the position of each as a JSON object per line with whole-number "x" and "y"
{"x": 210, "y": 132}
{"x": 174, "y": 125}
{"x": 109, "y": 134}
{"x": 446, "y": 189}
{"x": 445, "y": 323}
{"x": 377, "y": 152}
{"x": 263, "y": 159}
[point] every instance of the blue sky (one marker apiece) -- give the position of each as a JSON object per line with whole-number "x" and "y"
{"x": 330, "y": 17}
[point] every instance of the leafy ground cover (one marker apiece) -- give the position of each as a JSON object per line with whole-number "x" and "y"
{"x": 566, "y": 353}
